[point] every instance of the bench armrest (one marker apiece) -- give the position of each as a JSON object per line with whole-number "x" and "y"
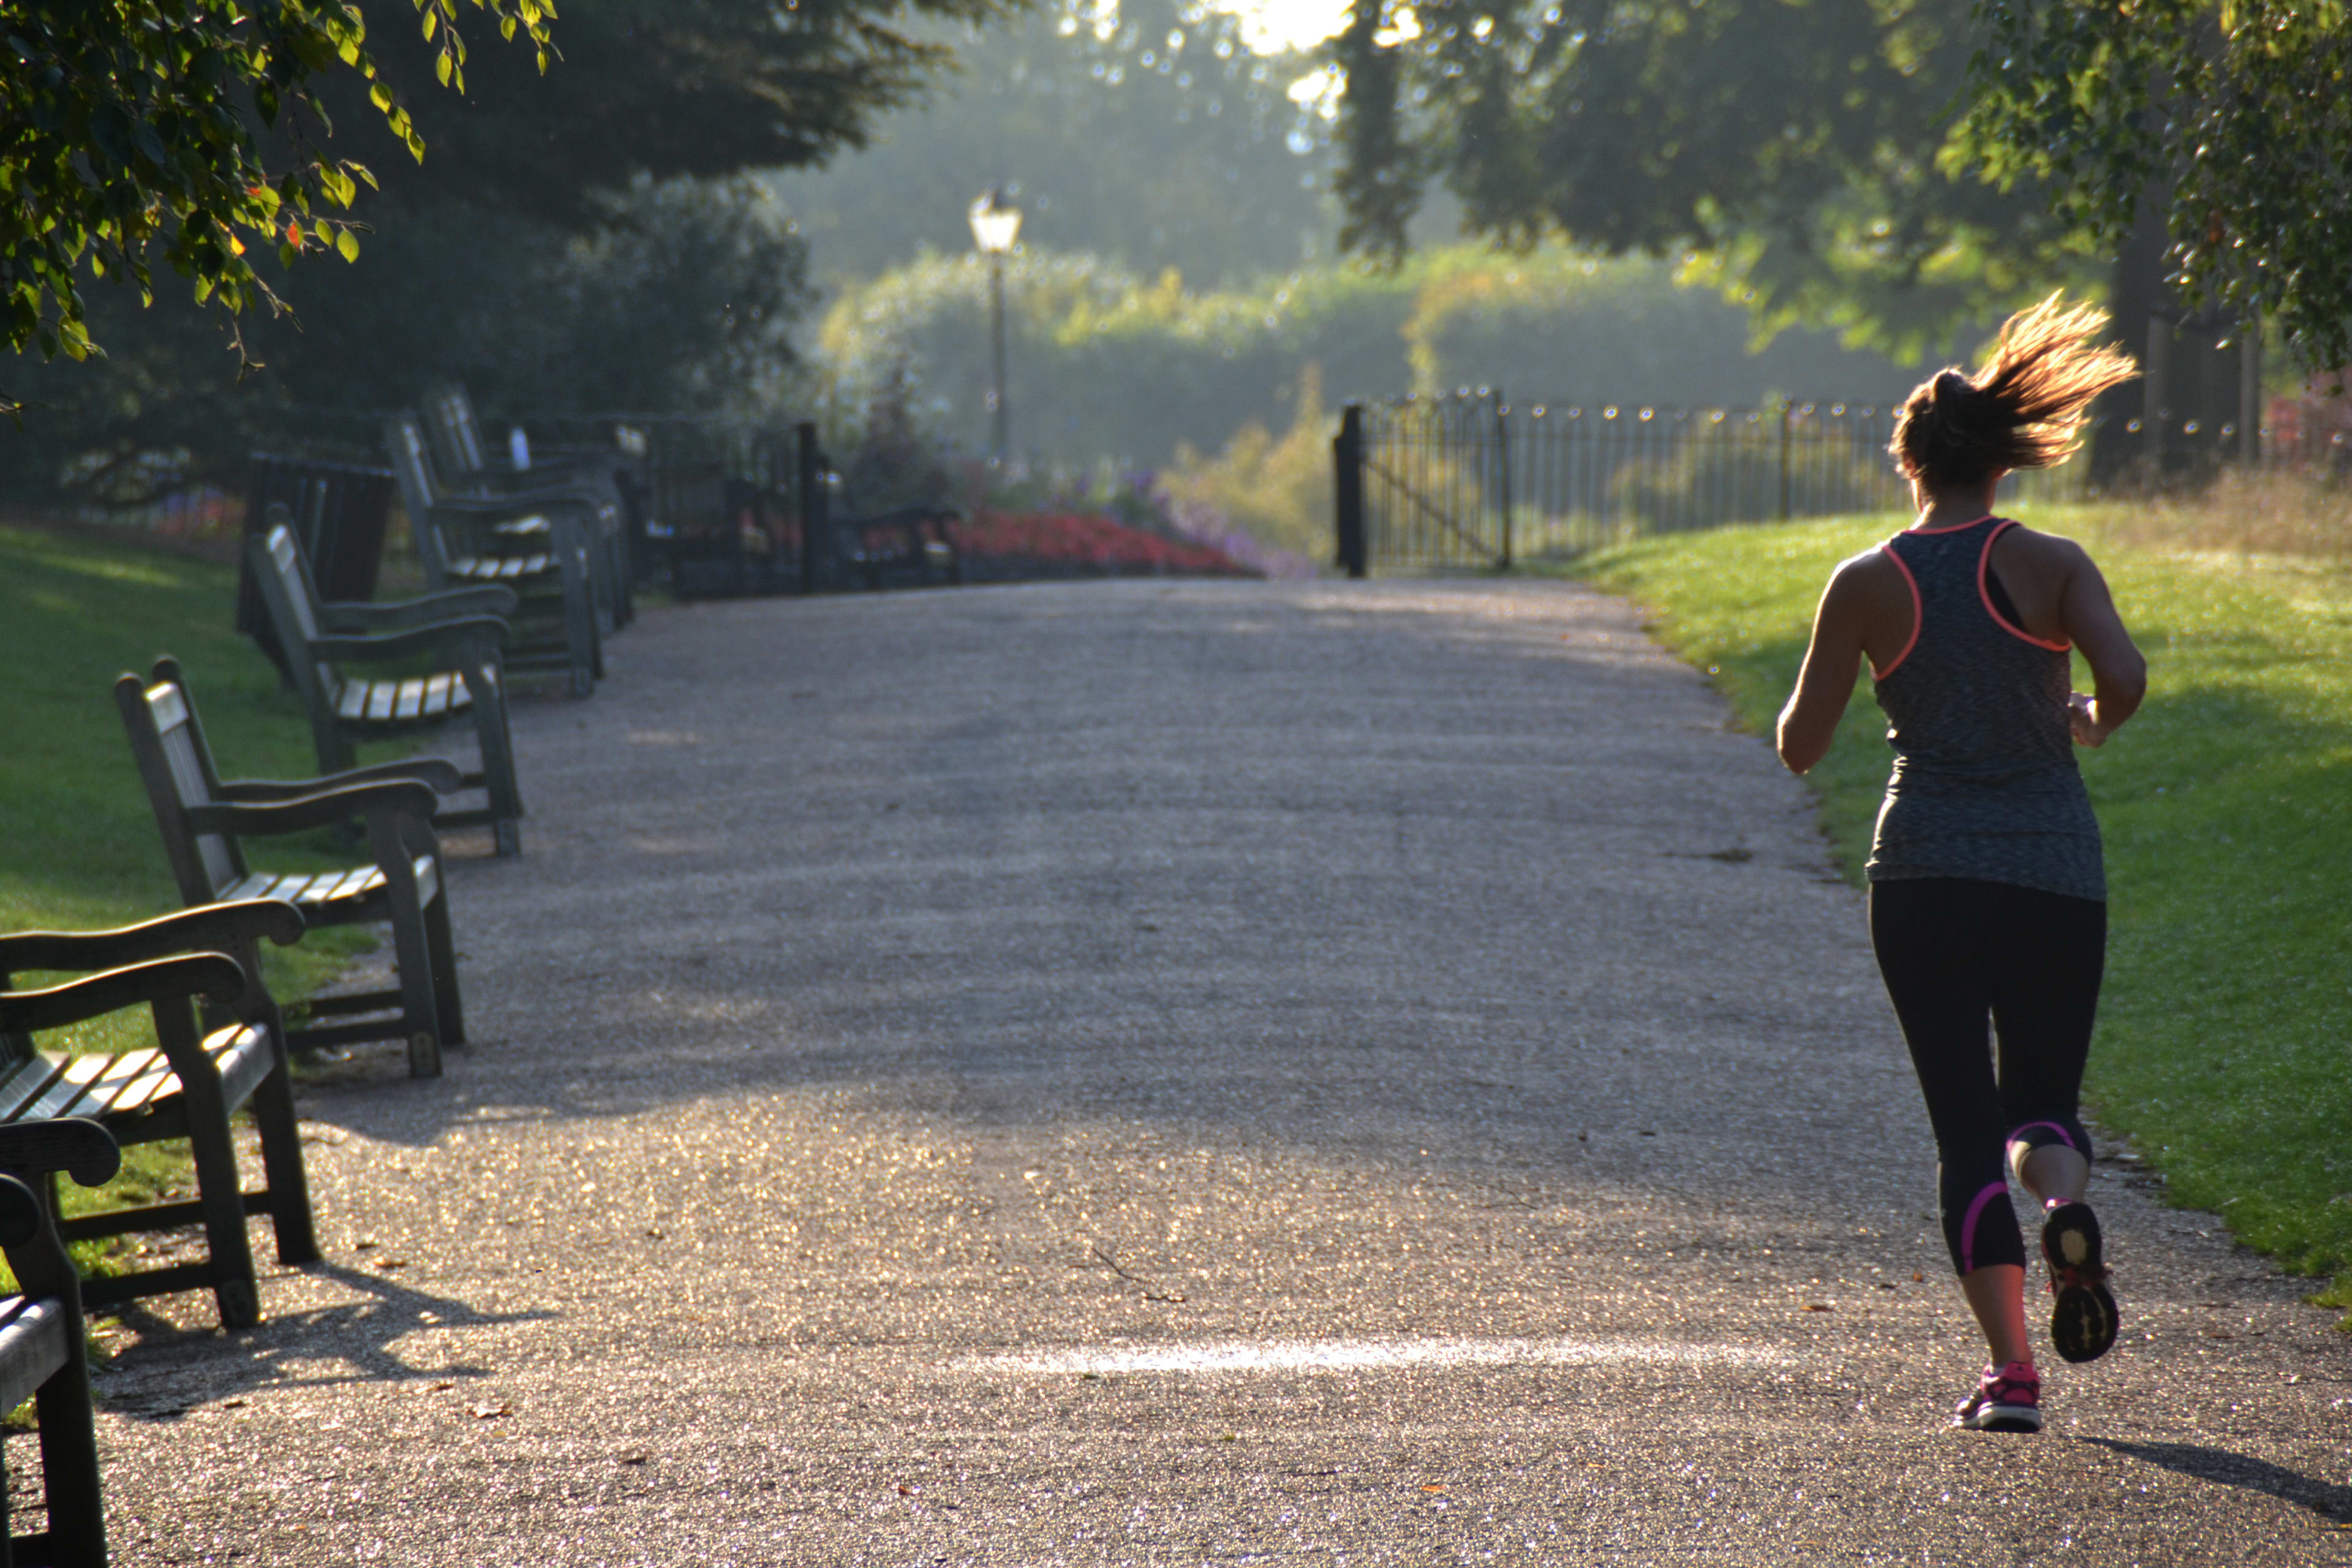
{"x": 344, "y": 616}
{"x": 215, "y": 976}
{"x": 207, "y": 927}
{"x": 439, "y": 772}
{"x": 411, "y": 798}
{"x": 473, "y": 639}
{"x": 30, "y": 1153}
{"x": 74, "y": 1144}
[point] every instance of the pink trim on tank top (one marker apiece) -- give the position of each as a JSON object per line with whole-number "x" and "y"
{"x": 1949, "y": 527}
{"x": 1984, "y": 563}
{"x": 1969, "y": 1226}
{"x": 1918, "y": 615}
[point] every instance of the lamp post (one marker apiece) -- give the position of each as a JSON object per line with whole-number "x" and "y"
{"x": 995, "y": 224}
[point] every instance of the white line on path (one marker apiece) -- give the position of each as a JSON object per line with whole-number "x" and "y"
{"x": 1303, "y": 1355}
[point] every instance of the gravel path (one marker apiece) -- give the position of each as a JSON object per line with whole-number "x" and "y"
{"x": 1168, "y": 1073}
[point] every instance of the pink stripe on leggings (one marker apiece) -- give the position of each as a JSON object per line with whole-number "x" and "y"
{"x": 1969, "y": 1226}
{"x": 2054, "y": 1126}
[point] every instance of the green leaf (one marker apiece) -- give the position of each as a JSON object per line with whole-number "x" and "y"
{"x": 347, "y": 245}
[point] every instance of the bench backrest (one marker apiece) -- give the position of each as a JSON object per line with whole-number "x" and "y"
{"x": 413, "y": 466}
{"x": 283, "y": 574}
{"x": 420, "y": 490}
{"x": 455, "y": 433}
{"x": 177, "y": 768}
{"x": 339, "y": 511}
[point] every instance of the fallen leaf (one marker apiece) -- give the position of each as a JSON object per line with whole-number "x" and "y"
{"x": 1817, "y": 1306}
{"x": 489, "y": 1412}
{"x": 633, "y": 1458}
{"x": 232, "y": 1405}
{"x": 1432, "y": 1488}
{"x": 442, "y": 1384}
{"x": 1917, "y": 1277}
{"x": 906, "y": 1491}
{"x": 364, "y": 1244}
{"x": 389, "y": 1264}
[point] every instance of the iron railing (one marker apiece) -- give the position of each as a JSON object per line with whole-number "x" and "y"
{"x": 1469, "y": 480}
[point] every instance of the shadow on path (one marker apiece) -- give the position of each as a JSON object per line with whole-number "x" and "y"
{"x": 2225, "y": 1468}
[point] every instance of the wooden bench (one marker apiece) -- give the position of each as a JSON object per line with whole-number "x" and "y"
{"x": 220, "y": 1045}
{"x": 464, "y": 463}
{"x": 339, "y": 512}
{"x": 44, "y": 1347}
{"x": 462, "y": 631}
{"x": 540, "y": 549}
{"x": 205, "y": 822}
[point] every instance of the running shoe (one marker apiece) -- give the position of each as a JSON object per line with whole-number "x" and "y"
{"x": 2083, "y": 1323}
{"x": 2007, "y": 1399}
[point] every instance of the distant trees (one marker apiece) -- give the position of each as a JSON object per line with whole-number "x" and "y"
{"x": 1152, "y": 137}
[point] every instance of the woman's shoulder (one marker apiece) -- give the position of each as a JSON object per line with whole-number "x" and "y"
{"x": 2031, "y": 548}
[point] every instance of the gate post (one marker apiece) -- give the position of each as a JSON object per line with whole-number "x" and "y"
{"x": 1785, "y": 406}
{"x": 2250, "y": 391}
{"x": 816, "y": 538}
{"x": 1348, "y": 475}
{"x": 1503, "y": 471}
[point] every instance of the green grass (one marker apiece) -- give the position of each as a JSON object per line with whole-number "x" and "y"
{"x": 82, "y": 848}
{"x": 2222, "y": 1049}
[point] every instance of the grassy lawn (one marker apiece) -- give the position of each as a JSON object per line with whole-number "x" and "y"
{"x": 2222, "y": 1052}
{"x": 83, "y": 850}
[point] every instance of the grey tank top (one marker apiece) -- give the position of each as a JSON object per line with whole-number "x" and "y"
{"x": 1985, "y": 785}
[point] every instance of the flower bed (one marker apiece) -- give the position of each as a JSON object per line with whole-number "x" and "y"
{"x": 999, "y": 547}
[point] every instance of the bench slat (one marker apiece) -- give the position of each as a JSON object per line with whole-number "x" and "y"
{"x": 124, "y": 1083}
{"x": 32, "y": 1346}
{"x": 23, "y": 1085}
{"x": 412, "y": 700}
{"x": 73, "y": 1079}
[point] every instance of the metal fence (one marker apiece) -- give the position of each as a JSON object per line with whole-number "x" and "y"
{"x": 1469, "y": 480}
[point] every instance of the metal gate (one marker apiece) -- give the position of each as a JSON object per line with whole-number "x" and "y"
{"x": 1467, "y": 481}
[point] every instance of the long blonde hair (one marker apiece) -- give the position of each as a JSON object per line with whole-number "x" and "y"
{"x": 2024, "y": 409}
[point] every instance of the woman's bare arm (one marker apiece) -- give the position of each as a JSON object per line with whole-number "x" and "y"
{"x": 1809, "y": 723}
{"x": 2118, "y": 671}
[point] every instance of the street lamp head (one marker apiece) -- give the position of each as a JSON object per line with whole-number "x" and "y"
{"x": 995, "y": 223}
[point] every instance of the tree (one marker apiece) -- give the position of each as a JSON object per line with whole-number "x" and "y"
{"x": 198, "y": 127}
{"x": 131, "y": 126}
{"x": 1793, "y": 147}
{"x": 2221, "y": 134}
{"x": 667, "y": 89}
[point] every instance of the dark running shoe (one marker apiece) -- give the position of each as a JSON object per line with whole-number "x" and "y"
{"x": 2083, "y": 1323}
{"x": 2007, "y": 1400}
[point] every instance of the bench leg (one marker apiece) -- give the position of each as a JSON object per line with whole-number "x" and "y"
{"x": 487, "y": 687}
{"x": 447, "y": 1010}
{"x": 281, "y": 1166}
{"x": 70, "y": 1475}
{"x": 419, "y": 1009}
{"x": 219, "y": 1194}
{"x": 579, "y": 628}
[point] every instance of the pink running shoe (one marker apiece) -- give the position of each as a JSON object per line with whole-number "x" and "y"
{"x": 2007, "y": 1400}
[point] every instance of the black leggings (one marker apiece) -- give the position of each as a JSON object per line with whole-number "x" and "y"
{"x": 1953, "y": 952}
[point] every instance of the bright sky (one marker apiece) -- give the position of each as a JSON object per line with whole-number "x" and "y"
{"x": 1271, "y": 25}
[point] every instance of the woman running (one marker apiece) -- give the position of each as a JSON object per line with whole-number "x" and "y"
{"x": 1988, "y": 893}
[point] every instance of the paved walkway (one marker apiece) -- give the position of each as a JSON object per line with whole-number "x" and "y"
{"x": 1160, "y": 1073}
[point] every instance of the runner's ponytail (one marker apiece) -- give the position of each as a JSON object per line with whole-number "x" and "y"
{"x": 2023, "y": 410}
